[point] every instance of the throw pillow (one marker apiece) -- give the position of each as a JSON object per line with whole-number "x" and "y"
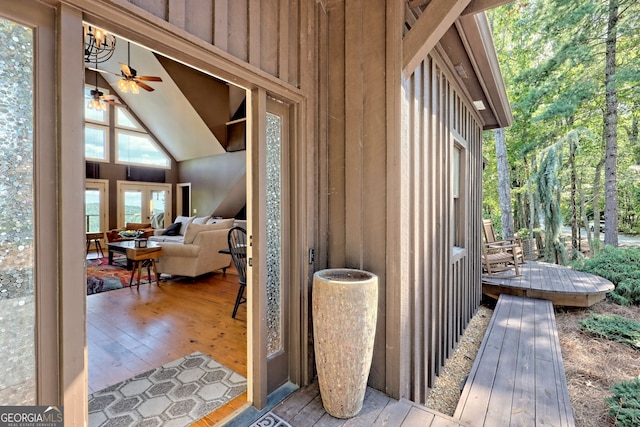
{"x": 184, "y": 220}
{"x": 201, "y": 220}
{"x": 173, "y": 229}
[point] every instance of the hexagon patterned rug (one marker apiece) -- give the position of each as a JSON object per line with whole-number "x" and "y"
{"x": 175, "y": 394}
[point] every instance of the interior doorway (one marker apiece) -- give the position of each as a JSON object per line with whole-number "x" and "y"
{"x": 159, "y": 324}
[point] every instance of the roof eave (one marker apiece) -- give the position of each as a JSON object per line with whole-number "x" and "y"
{"x": 476, "y": 34}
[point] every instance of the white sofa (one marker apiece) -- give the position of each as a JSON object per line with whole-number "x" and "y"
{"x": 196, "y": 252}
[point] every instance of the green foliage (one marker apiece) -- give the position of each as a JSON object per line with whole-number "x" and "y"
{"x": 622, "y": 267}
{"x": 613, "y": 327}
{"x": 624, "y": 405}
{"x": 552, "y": 57}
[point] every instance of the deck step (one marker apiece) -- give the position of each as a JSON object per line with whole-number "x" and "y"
{"x": 518, "y": 376}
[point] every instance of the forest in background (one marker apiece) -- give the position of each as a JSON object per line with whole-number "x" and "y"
{"x": 572, "y": 73}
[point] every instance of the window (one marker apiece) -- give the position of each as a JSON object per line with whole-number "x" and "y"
{"x": 134, "y": 146}
{"x": 458, "y": 197}
{"x": 96, "y": 130}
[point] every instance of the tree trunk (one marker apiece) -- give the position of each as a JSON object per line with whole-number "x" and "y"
{"x": 633, "y": 132}
{"x": 504, "y": 184}
{"x": 596, "y": 207}
{"x": 611, "y": 132}
{"x": 572, "y": 138}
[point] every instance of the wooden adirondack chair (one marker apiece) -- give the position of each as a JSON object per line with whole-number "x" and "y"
{"x": 500, "y": 255}
{"x": 490, "y": 238}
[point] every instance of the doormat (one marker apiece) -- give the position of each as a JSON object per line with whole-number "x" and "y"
{"x": 102, "y": 277}
{"x": 270, "y": 420}
{"x": 177, "y": 394}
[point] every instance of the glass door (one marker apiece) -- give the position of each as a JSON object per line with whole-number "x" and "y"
{"x": 17, "y": 303}
{"x": 96, "y": 205}
{"x": 143, "y": 202}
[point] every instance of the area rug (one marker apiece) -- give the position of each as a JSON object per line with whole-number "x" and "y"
{"x": 102, "y": 277}
{"x": 175, "y": 394}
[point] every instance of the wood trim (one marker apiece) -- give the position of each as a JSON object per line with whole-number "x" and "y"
{"x": 256, "y": 292}
{"x": 435, "y": 20}
{"x": 477, "y": 6}
{"x": 71, "y": 171}
{"x": 306, "y": 119}
{"x": 397, "y": 296}
{"x": 354, "y": 128}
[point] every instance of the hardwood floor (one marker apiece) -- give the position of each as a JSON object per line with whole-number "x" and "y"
{"x": 131, "y": 331}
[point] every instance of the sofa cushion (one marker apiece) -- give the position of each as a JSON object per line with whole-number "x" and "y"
{"x": 201, "y": 219}
{"x": 173, "y": 229}
{"x": 164, "y": 238}
{"x": 193, "y": 229}
{"x": 184, "y": 220}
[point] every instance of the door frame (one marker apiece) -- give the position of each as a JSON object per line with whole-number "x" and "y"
{"x": 101, "y": 185}
{"x": 178, "y": 45}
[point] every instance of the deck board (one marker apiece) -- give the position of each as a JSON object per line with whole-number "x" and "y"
{"x": 558, "y": 284}
{"x": 304, "y": 408}
{"x": 518, "y": 377}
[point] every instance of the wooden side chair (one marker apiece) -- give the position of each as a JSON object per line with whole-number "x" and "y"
{"x": 237, "y": 239}
{"x": 514, "y": 244}
{"x": 496, "y": 259}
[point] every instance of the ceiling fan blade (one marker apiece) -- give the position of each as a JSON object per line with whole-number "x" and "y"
{"x": 149, "y": 78}
{"x": 104, "y": 71}
{"x": 144, "y": 86}
{"x": 109, "y": 97}
{"x": 125, "y": 69}
{"x": 112, "y": 102}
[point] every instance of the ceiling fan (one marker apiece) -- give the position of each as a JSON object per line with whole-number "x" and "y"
{"x": 130, "y": 79}
{"x": 98, "y": 99}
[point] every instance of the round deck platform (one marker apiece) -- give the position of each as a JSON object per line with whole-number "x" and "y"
{"x": 561, "y": 285}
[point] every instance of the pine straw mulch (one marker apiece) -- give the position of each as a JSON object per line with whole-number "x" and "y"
{"x": 592, "y": 365}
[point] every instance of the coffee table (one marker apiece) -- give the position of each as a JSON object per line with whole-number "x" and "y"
{"x": 137, "y": 257}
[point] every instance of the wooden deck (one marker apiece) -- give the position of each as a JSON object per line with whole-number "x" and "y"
{"x": 518, "y": 377}
{"x": 304, "y": 408}
{"x": 558, "y": 284}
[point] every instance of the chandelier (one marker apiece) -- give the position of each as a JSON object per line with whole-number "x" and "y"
{"x": 98, "y": 44}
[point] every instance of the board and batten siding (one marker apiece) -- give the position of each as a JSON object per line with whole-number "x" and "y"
{"x": 444, "y": 289}
{"x": 262, "y": 33}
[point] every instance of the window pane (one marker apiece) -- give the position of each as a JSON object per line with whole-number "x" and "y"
{"x": 139, "y": 149}
{"x": 456, "y": 172}
{"x": 95, "y": 142}
{"x": 157, "y": 207}
{"x": 133, "y": 206}
{"x": 17, "y": 307}
{"x": 92, "y": 210}
{"x": 274, "y": 232}
{"x": 123, "y": 119}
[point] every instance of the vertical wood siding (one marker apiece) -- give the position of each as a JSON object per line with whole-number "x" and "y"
{"x": 264, "y": 33}
{"x": 444, "y": 293}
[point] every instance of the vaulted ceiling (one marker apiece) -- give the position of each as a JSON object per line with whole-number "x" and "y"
{"x": 187, "y": 112}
